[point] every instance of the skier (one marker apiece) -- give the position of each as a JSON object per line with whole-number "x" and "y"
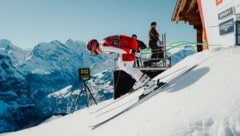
{"x": 124, "y": 46}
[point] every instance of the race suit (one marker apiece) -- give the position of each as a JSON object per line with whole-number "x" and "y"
{"x": 124, "y": 46}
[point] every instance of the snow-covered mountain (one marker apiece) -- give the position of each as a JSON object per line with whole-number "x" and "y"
{"x": 16, "y": 105}
{"x": 203, "y": 102}
{"x": 53, "y": 66}
{"x": 16, "y": 54}
{"x": 48, "y": 68}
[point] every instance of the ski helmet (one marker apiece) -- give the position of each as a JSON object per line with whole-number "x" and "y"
{"x": 92, "y": 44}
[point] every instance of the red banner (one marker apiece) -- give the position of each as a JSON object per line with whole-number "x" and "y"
{"x": 218, "y": 2}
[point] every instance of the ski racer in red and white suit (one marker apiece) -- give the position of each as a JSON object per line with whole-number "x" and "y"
{"x": 123, "y": 45}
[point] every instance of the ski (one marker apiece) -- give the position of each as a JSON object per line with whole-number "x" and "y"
{"x": 142, "y": 98}
{"x": 108, "y": 106}
{"x": 170, "y": 81}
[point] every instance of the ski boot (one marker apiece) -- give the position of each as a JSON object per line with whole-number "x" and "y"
{"x": 143, "y": 80}
{"x": 149, "y": 87}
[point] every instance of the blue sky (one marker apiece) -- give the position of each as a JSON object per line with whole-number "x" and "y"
{"x": 28, "y": 22}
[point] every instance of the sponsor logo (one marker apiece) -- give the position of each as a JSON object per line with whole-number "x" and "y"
{"x": 116, "y": 42}
{"x": 226, "y": 13}
{"x": 226, "y": 27}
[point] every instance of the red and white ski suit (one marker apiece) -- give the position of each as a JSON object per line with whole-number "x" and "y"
{"x": 123, "y": 45}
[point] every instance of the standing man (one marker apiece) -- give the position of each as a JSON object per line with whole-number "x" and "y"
{"x": 141, "y": 45}
{"x": 153, "y": 39}
{"x": 124, "y": 46}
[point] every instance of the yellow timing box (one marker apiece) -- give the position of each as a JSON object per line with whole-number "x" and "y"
{"x": 84, "y": 73}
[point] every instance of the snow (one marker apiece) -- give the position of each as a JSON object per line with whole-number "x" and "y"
{"x": 7, "y": 70}
{"x": 28, "y": 58}
{"x": 204, "y": 102}
{"x": 41, "y": 71}
{"x": 15, "y": 53}
{"x": 61, "y": 93}
{"x": 51, "y": 118}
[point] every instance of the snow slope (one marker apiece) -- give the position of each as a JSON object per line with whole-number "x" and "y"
{"x": 204, "y": 102}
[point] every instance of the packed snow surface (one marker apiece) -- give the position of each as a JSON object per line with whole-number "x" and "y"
{"x": 204, "y": 102}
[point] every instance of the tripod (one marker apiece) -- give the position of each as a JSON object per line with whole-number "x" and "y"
{"x": 87, "y": 93}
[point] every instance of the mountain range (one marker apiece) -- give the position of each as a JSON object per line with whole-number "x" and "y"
{"x": 28, "y": 77}
{"x": 38, "y": 83}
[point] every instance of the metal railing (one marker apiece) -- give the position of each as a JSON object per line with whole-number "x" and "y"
{"x": 162, "y": 62}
